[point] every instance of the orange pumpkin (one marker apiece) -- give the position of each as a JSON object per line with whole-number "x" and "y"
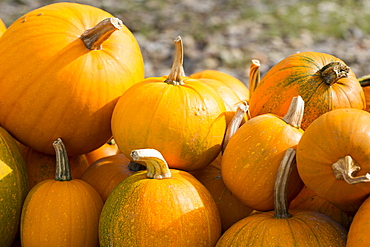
{"x": 282, "y": 227}
{"x": 61, "y": 211}
{"x": 77, "y": 60}
{"x": 2, "y": 27}
{"x": 333, "y": 157}
{"x": 323, "y": 81}
{"x": 106, "y": 173}
{"x": 159, "y": 207}
{"x": 357, "y": 234}
{"x": 107, "y": 149}
{"x": 252, "y": 157}
{"x": 181, "y": 117}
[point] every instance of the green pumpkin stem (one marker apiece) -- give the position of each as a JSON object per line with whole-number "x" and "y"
{"x": 281, "y": 185}
{"x": 62, "y": 172}
{"x": 156, "y": 165}
{"x": 295, "y": 112}
{"x": 254, "y": 76}
{"x": 94, "y": 37}
{"x": 334, "y": 71}
{"x": 346, "y": 169}
{"x": 177, "y": 70}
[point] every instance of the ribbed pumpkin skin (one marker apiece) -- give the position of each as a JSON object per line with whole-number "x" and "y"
{"x": 13, "y": 187}
{"x": 61, "y": 213}
{"x": 185, "y": 123}
{"x": 332, "y": 136}
{"x": 53, "y": 86}
{"x": 298, "y": 75}
{"x": 252, "y": 157}
{"x": 358, "y": 234}
{"x": 303, "y": 229}
{"x": 177, "y": 211}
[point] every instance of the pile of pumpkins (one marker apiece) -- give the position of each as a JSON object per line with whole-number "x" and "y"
{"x": 93, "y": 153}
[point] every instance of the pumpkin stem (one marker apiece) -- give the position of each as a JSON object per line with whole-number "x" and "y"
{"x": 94, "y": 37}
{"x": 281, "y": 185}
{"x": 254, "y": 76}
{"x": 177, "y": 70}
{"x": 241, "y": 108}
{"x": 134, "y": 166}
{"x": 334, "y": 71}
{"x": 295, "y": 112}
{"x": 346, "y": 169}
{"x": 156, "y": 165}
{"x": 364, "y": 81}
{"x": 62, "y": 172}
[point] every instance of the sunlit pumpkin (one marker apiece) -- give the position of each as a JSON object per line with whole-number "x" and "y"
{"x": 2, "y": 27}
{"x": 63, "y": 68}
{"x": 159, "y": 207}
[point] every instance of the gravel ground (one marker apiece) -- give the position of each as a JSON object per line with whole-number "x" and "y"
{"x": 227, "y": 35}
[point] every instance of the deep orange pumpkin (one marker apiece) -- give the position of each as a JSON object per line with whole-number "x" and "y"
{"x": 358, "y": 235}
{"x": 70, "y": 77}
{"x": 333, "y": 157}
{"x": 323, "y": 81}
{"x": 107, "y": 149}
{"x": 181, "y": 117}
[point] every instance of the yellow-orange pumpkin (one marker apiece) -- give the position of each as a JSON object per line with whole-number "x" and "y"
{"x": 63, "y": 68}
{"x": 2, "y": 27}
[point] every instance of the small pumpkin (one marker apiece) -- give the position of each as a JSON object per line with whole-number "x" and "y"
{"x": 252, "y": 157}
{"x": 333, "y": 159}
{"x": 107, "y": 149}
{"x": 159, "y": 207}
{"x": 183, "y": 118}
{"x": 358, "y": 235}
{"x": 61, "y": 211}
{"x": 77, "y": 60}
{"x": 324, "y": 82}
{"x": 13, "y": 187}
{"x": 281, "y": 227}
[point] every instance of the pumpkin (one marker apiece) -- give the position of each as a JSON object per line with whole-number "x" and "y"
{"x": 77, "y": 60}
{"x": 308, "y": 200}
{"x": 107, "y": 149}
{"x": 61, "y": 211}
{"x": 281, "y": 227}
{"x": 13, "y": 187}
{"x": 252, "y": 157}
{"x": 323, "y": 81}
{"x": 231, "y": 209}
{"x": 183, "y": 118}
{"x": 240, "y": 89}
{"x": 357, "y": 234}
{"x": 106, "y": 173}
{"x": 41, "y": 166}
{"x": 2, "y": 27}
{"x": 333, "y": 158}
{"x": 159, "y": 207}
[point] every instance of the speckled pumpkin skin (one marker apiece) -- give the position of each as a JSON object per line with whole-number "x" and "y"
{"x": 13, "y": 187}
{"x": 177, "y": 211}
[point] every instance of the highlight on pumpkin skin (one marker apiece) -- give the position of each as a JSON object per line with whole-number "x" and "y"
{"x": 155, "y": 163}
{"x": 2, "y": 27}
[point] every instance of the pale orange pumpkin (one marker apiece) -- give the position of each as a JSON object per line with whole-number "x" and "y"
{"x": 63, "y": 68}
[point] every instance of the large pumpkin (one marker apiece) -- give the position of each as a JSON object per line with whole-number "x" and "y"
{"x": 13, "y": 187}
{"x": 333, "y": 157}
{"x": 183, "y": 118}
{"x": 61, "y": 211}
{"x": 62, "y": 73}
{"x": 159, "y": 207}
{"x": 322, "y": 80}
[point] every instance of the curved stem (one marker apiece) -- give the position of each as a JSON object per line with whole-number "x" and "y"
{"x": 177, "y": 70}
{"x": 134, "y": 166}
{"x": 155, "y": 164}
{"x": 94, "y": 37}
{"x": 281, "y": 185}
{"x": 334, "y": 71}
{"x": 254, "y": 76}
{"x": 62, "y": 172}
{"x": 295, "y": 112}
{"x": 364, "y": 81}
{"x": 346, "y": 169}
{"x": 235, "y": 122}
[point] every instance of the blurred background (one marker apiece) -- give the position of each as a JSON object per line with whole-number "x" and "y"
{"x": 227, "y": 34}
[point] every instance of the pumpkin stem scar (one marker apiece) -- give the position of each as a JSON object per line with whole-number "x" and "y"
{"x": 346, "y": 169}
{"x": 62, "y": 172}
{"x": 155, "y": 163}
{"x": 93, "y": 38}
{"x": 334, "y": 71}
{"x": 177, "y": 70}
